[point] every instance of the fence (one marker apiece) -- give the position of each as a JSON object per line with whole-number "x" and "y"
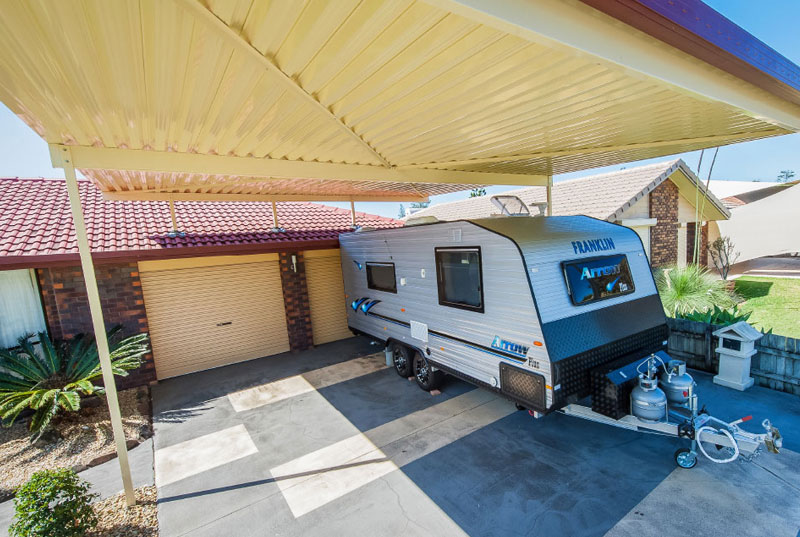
{"x": 776, "y": 364}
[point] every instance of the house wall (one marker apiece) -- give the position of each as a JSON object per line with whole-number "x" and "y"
{"x": 66, "y": 306}
{"x": 690, "y": 234}
{"x": 295, "y": 301}
{"x": 663, "y": 205}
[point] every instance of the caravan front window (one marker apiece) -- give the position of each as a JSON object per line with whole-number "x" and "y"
{"x": 459, "y": 278}
{"x": 381, "y": 276}
{"x": 597, "y": 278}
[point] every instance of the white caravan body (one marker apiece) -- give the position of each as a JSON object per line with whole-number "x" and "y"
{"x": 549, "y": 299}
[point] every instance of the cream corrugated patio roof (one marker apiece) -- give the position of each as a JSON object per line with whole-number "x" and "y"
{"x": 382, "y": 100}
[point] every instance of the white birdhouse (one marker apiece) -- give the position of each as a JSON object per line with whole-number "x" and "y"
{"x": 735, "y": 348}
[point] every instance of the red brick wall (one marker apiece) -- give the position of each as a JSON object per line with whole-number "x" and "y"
{"x": 295, "y": 301}
{"x": 664, "y": 235}
{"x": 703, "y": 244}
{"x": 66, "y": 306}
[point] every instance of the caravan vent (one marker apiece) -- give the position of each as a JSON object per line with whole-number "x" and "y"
{"x": 524, "y": 386}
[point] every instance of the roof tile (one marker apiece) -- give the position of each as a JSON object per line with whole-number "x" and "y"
{"x": 35, "y": 219}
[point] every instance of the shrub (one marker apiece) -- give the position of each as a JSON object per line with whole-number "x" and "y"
{"x": 53, "y": 503}
{"x": 723, "y": 255}
{"x": 719, "y": 316}
{"x": 53, "y": 378}
{"x": 691, "y": 289}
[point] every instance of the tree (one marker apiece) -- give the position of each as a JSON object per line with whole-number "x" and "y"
{"x": 723, "y": 255}
{"x": 420, "y": 204}
{"x": 785, "y": 176}
{"x": 477, "y": 192}
{"x": 402, "y": 212}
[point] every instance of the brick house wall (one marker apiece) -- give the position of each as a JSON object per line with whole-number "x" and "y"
{"x": 690, "y": 234}
{"x": 66, "y": 306}
{"x": 664, "y": 235}
{"x": 295, "y": 300}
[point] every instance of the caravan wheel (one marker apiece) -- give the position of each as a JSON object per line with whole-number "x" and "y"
{"x": 402, "y": 357}
{"x": 427, "y": 378}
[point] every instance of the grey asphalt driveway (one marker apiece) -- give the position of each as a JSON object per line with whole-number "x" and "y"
{"x": 330, "y": 442}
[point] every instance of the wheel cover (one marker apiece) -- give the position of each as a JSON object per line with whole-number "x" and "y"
{"x": 399, "y": 359}
{"x": 686, "y": 459}
{"x": 422, "y": 372}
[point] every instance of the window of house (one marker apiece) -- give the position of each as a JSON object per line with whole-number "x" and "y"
{"x": 381, "y": 276}
{"x": 20, "y": 306}
{"x": 459, "y": 278}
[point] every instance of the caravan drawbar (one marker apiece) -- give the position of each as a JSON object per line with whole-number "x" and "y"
{"x": 544, "y": 311}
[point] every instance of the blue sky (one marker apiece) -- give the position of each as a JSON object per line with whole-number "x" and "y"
{"x": 24, "y": 154}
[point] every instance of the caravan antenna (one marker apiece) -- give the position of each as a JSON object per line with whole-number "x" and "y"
{"x": 513, "y": 206}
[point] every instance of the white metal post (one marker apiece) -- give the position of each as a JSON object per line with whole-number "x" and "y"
{"x": 550, "y": 195}
{"x": 97, "y": 323}
{"x": 274, "y": 216}
{"x": 172, "y": 215}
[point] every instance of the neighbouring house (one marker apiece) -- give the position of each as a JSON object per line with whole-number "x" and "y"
{"x": 229, "y": 289}
{"x": 764, "y": 222}
{"x": 661, "y": 202}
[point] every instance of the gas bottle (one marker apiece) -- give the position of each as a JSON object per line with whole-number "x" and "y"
{"x": 678, "y": 384}
{"x": 648, "y": 401}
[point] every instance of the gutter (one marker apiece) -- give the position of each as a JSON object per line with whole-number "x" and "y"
{"x": 127, "y": 256}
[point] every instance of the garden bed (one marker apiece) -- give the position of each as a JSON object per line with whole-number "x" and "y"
{"x": 78, "y": 440}
{"x": 115, "y": 519}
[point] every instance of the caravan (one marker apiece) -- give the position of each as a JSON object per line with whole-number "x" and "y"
{"x": 544, "y": 311}
{"x": 524, "y": 306}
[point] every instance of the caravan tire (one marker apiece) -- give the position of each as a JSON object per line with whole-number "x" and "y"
{"x": 427, "y": 378}
{"x": 402, "y": 359}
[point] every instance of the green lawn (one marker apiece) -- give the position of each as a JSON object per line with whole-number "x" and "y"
{"x": 775, "y": 303}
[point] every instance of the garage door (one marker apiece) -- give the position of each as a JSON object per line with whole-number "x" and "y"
{"x": 209, "y": 312}
{"x": 326, "y": 296}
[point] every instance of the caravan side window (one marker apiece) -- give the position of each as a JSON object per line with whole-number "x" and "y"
{"x": 459, "y": 277}
{"x": 381, "y": 276}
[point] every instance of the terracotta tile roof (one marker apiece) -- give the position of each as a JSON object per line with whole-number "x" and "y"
{"x": 35, "y": 220}
{"x": 602, "y": 196}
{"x": 731, "y": 202}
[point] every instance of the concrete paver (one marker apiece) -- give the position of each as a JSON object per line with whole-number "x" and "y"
{"x": 367, "y": 452}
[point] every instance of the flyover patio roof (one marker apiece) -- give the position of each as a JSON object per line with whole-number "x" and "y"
{"x": 379, "y": 100}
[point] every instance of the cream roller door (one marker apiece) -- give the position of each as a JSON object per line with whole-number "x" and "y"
{"x": 326, "y": 296}
{"x": 203, "y": 315}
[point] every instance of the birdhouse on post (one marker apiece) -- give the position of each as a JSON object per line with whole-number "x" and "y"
{"x": 735, "y": 348}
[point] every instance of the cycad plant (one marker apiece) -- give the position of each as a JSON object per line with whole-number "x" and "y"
{"x": 691, "y": 289}
{"x": 53, "y": 378}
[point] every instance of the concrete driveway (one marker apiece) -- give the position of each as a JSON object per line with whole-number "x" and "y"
{"x": 330, "y": 442}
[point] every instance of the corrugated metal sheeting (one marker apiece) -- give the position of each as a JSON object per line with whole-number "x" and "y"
{"x": 326, "y": 296}
{"x": 207, "y": 316}
{"x": 394, "y": 85}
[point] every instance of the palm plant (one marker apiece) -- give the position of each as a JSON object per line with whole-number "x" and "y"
{"x": 53, "y": 378}
{"x": 691, "y": 289}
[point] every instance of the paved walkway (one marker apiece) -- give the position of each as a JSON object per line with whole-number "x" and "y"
{"x": 104, "y": 478}
{"x": 330, "y": 442}
{"x": 768, "y": 267}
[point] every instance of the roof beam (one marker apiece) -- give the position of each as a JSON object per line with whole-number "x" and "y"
{"x": 576, "y": 27}
{"x": 711, "y": 140}
{"x": 102, "y": 158}
{"x": 235, "y": 39}
{"x": 146, "y": 195}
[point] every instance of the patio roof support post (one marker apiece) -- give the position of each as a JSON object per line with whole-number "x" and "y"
{"x": 353, "y": 213}
{"x": 98, "y": 324}
{"x": 550, "y": 195}
{"x": 172, "y": 215}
